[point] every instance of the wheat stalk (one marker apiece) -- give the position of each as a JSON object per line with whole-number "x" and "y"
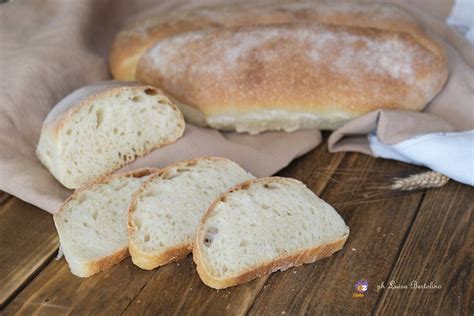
{"x": 424, "y": 180}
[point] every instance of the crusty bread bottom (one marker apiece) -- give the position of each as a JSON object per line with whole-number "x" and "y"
{"x": 282, "y": 263}
{"x": 149, "y": 261}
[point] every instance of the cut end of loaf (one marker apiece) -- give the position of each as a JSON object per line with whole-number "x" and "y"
{"x": 106, "y": 130}
{"x": 264, "y": 225}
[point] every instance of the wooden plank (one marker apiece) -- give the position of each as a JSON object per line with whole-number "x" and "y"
{"x": 171, "y": 288}
{"x": 379, "y": 220}
{"x": 438, "y": 249}
{"x": 3, "y": 197}
{"x": 55, "y": 291}
{"x": 28, "y": 240}
{"x": 188, "y": 295}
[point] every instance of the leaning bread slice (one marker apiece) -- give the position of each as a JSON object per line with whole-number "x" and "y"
{"x": 261, "y": 226}
{"x": 100, "y": 128}
{"x": 165, "y": 212}
{"x": 92, "y": 223}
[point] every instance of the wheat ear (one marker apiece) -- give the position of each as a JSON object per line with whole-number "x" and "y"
{"x": 424, "y": 180}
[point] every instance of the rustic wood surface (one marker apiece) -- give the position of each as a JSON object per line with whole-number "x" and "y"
{"x": 423, "y": 236}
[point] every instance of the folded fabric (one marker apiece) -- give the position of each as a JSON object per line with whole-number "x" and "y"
{"x": 462, "y": 18}
{"x": 451, "y": 154}
{"x": 50, "y": 48}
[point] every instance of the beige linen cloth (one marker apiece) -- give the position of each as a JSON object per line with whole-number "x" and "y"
{"x": 50, "y": 48}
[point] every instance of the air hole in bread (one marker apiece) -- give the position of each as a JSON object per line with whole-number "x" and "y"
{"x": 115, "y": 131}
{"x": 138, "y": 223}
{"x": 120, "y": 186}
{"x": 69, "y": 132}
{"x": 169, "y": 174}
{"x": 213, "y": 230}
{"x": 81, "y": 198}
{"x": 99, "y": 114}
{"x": 147, "y": 238}
{"x": 270, "y": 186}
{"x": 208, "y": 240}
{"x": 265, "y": 206}
{"x": 139, "y": 133}
{"x": 243, "y": 243}
{"x": 94, "y": 214}
{"x": 180, "y": 170}
{"x": 137, "y": 98}
{"x": 151, "y": 91}
{"x": 85, "y": 224}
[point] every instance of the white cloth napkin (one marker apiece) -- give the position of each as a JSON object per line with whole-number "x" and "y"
{"x": 451, "y": 154}
{"x": 462, "y": 18}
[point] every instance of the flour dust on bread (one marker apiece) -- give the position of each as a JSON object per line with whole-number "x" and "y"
{"x": 261, "y": 226}
{"x": 92, "y": 223}
{"x": 165, "y": 212}
{"x": 147, "y": 28}
{"x": 293, "y": 76}
{"x": 102, "y": 127}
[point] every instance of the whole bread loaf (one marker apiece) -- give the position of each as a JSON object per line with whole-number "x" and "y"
{"x": 99, "y": 128}
{"x": 144, "y": 30}
{"x": 291, "y": 76}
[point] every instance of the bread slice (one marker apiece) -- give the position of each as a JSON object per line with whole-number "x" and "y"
{"x": 165, "y": 212}
{"x": 92, "y": 223}
{"x": 261, "y": 226}
{"x": 100, "y": 128}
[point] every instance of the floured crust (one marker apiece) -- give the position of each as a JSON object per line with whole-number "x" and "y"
{"x": 146, "y": 260}
{"x": 64, "y": 111}
{"x": 281, "y": 263}
{"x": 146, "y": 29}
{"x": 88, "y": 268}
{"x": 235, "y": 76}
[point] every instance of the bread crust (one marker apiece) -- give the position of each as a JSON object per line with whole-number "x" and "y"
{"x": 326, "y": 74}
{"x": 64, "y": 111}
{"x": 260, "y": 96}
{"x": 87, "y": 268}
{"x": 147, "y": 260}
{"x": 282, "y": 263}
{"x": 142, "y": 32}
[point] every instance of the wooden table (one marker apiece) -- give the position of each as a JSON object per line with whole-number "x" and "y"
{"x": 424, "y": 236}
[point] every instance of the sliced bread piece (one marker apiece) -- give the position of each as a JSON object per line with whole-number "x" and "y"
{"x": 92, "y": 223}
{"x": 102, "y": 127}
{"x": 261, "y": 226}
{"x": 165, "y": 212}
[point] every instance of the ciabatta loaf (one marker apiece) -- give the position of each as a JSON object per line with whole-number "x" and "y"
{"x": 100, "y": 128}
{"x": 293, "y": 76}
{"x": 92, "y": 223}
{"x": 144, "y": 30}
{"x": 261, "y": 226}
{"x": 165, "y": 212}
